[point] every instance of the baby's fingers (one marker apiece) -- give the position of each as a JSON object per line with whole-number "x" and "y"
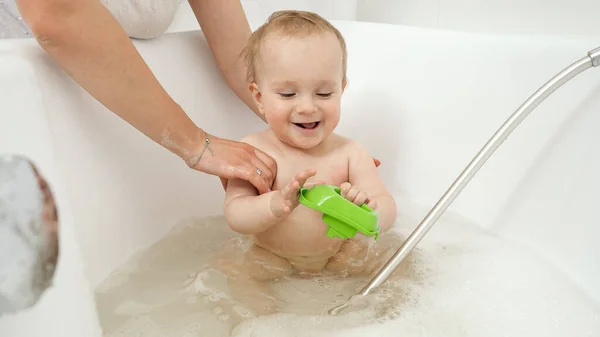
{"x": 372, "y": 204}
{"x": 313, "y": 184}
{"x": 303, "y": 176}
{"x": 360, "y": 198}
{"x": 291, "y": 190}
{"x": 353, "y": 194}
{"x": 345, "y": 188}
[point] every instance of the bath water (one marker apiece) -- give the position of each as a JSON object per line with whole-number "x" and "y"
{"x": 460, "y": 281}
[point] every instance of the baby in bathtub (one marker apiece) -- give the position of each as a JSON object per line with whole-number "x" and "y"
{"x": 297, "y": 74}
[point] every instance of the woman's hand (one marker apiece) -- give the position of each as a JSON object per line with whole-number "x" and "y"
{"x": 230, "y": 159}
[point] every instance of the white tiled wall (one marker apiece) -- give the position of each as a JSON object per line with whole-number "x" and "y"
{"x": 559, "y": 17}
{"x": 258, "y": 11}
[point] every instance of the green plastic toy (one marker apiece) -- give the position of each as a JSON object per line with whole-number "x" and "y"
{"x": 343, "y": 217}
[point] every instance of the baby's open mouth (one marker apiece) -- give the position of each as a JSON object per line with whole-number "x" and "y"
{"x": 308, "y": 126}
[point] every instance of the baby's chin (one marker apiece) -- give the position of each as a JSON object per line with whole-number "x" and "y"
{"x": 302, "y": 144}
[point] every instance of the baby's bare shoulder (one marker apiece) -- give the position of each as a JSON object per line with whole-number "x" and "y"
{"x": 349, "y": 146}
{"x": 259, "y": 140}
{"x": 264, "y": 141}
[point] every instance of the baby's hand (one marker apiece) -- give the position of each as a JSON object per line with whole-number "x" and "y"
{"x": 286, "y": 200}
{"x": 358, "y": 197}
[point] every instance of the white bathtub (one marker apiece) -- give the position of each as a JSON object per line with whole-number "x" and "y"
{"x": 423, "y": 101}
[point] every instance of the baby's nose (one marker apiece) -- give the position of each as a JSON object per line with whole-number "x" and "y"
{"x": 306, "y": 105}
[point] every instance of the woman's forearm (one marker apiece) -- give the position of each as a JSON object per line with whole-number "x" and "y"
{"x": 227, "y": 30}
{"x": 89, "y": 44}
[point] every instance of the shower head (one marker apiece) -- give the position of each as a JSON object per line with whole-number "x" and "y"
{"x": 592, "y": 59}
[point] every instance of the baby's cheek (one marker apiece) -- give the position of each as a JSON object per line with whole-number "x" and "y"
{"x": 332, "y": 106}
{"x": 277, "y": 117}
{"x": 331, "y": 111}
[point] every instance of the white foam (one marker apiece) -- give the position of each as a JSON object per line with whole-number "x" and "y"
{"x": 464, "y": 282}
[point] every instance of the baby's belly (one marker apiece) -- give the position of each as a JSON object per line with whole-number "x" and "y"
{"x": 302, "y": 240}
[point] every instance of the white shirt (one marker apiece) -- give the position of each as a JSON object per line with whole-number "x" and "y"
{"x": 141, "y": 19}
{"x": 11, "y": 23}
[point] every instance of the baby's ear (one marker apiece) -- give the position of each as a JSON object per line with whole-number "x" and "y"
{"x": 256, "y": 95}
{"x": 344, "y": 83}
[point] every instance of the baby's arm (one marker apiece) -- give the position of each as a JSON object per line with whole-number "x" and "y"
{"x": 245, "y": 210}
{"x": 364, "y": 176}
{"x": 249, "y": 213}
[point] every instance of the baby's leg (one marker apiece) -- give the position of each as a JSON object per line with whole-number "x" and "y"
{"x": 361, "y": 256}
{"x": 263, "y": 265}
{"x": 247, "y": 280}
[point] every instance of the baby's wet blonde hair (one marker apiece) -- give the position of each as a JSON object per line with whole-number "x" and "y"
{"x": 288, "y": 23}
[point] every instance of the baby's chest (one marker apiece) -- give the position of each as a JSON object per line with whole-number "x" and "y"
{"x": 332, "y": 170}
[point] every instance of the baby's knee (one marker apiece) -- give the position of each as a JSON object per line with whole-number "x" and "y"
{"x": 143, "y": 19}
{"x": 343, "y": 263}
{"x": 351, "y": 266}
{"x": 263, "y": 265}
{"x": 356, "y": 257}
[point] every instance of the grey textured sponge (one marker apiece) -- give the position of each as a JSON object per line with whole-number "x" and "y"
{"x": 28, "y": 234}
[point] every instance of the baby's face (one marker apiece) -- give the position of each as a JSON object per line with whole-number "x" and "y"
{"x": 299, "y": 87}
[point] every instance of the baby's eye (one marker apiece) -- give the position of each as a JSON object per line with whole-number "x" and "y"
{"x": 328, "y": 94}
{"x": 286, "y": 95}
